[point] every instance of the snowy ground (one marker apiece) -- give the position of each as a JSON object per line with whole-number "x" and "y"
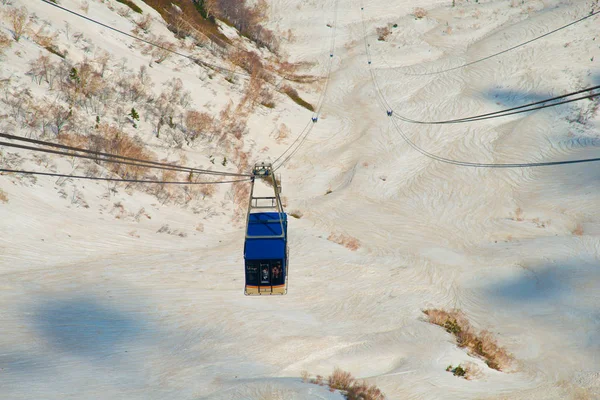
{"x": 100, "y": 307}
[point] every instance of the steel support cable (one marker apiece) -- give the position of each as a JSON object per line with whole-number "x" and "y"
{"x": 504, "y": 113}
{"x": 459, "y": 162}
{"x": 486, "y": 165}
{"x": 297, "y": 147}
{"x": 306, "y": 129}
{"x": 97, "y": 178}
{"x": 97, "y": 158}
{"x": 383, "y": 101}
{"x": 150, "y": 164}
{"x": 329, "y": 64}
{"x": 505, "y": 50}
{"x": 301, "y": 138}
{"x": 197, "y": 60}
{"x": 379, "y": 93}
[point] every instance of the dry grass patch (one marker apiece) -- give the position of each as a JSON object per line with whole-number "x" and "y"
{"x": 350, "y": 387}
{"x": 419, "y": 13}
{"x": 383, "y": 33}
{"x": 296, "y": 214}
{"x": 578, "y": 231}
{"x": 112, "y": 140}
{"x": 19, "y": 21}
{"x": 5, "y": 43}
{"x": 293, "y": 94}
{"x": 482, "y": 344}
{"x": 347, "y": 241}
{"x": 3, "y": 197}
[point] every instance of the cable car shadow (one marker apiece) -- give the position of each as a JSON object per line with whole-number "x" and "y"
{"x": 557, "y": 298}
{"x": 108, "y": 347}
{"x": 513, "y": 98}
{"x": 84, "y": 327}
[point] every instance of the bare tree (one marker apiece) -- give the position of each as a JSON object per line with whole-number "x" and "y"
{"x": 197, "y": 123}
{"x": 4, "y": 43}
{"x": 19, "y": 21}
{"x": 59, "y": 116}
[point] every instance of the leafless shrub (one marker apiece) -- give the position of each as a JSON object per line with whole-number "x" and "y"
{"x": 341, "y": 380}
{"x": 18, "y": 19}
{"x": 383, "y": 32}
{"x": 144, "y": 23}
{"x": 318, "y": 380}
{"x": 43, "y": 38}
{"x": 305, "y": 376}
{"x": 283, "y": 132}
{"x": 208, "y": 190}
{"x": 349, "y": 386}
{"x": 112, "y": 140}
{"x": 197, "y": 124}
{"x": 162, "y": 52}
{"x": 5, "y": 43}
{"x": 84, "y": 6}
{"x": 39, "y": 69}
{"x": 59, "y": 117}
{"x": 102, "y": 60}
{"x": 347, "y": 241}
{"x": 296, "y": 214}
{"x": 482, "y": 344}
{"x": 3, "y": 196}
{"x": 419, "y": 13}
{"x": 519, "y": 215}
{"x": 175, "y": 232}
{"x": 578, "y": 231}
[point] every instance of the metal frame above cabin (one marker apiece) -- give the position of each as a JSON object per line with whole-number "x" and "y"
{"x": 264, "y": 171}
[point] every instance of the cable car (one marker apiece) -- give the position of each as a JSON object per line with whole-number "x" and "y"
{"x": 266, "y": 247}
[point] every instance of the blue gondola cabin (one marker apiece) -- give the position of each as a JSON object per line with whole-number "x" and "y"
{"x": 266, "y": 254}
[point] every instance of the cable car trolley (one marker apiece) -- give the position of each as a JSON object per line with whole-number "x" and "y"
{"x": 265, "y": 247}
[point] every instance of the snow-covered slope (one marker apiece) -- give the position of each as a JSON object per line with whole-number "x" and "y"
{"x": 101, "y": 300}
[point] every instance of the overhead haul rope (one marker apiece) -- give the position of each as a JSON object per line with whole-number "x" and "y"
{"x": 449, "y": 160}
{"x": 486, "y": 165}
{"x": 96, "y": 178}
{"x": 107, "y": 157}
{"x": 511, "y": 111}
{"x": 315, "y": 116}
{"x": 591, "y": 14}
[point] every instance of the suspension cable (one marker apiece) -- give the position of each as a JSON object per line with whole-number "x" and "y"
{"x": 301, "y": 138}
{"x": 591, "y": 14}
{"x": 510, "y": 111}
{"x": 97, "y": 178}
{"x": 150, "y": 164}
{"x": 503, "y": 113}
{"x": 486, "y": 165}
{"x": 379, "y": 93}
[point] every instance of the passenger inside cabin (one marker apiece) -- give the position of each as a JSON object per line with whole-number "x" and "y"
{"x": 265, "y": 275}
{"x": 277, "y": 274}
